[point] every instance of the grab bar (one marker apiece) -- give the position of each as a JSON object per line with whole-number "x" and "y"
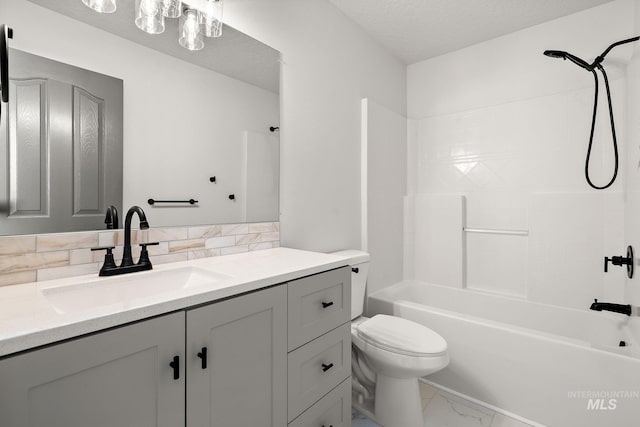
{"x": 496, "y": 231}
{"x": 190, "y": 201}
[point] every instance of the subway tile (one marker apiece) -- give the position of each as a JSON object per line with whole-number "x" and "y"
{"x": 260, "y": 246}
{"x": 245, "y": 239}
{"x": 57, "y": 242}
{"x": 17, "y": 245}
{"x": 15, "y": 263}
{"x": 235, "y": 229}
{"x": 220, "y": 242}
{"x": 168, "y": 234}
{"x": 270, "y": 237}
{"x": 263, "y": 227}
{"x": 234, "y": 250}
{"x": 204, "y": 253}
{"x": 107, "y": 238}
{"x": 137, "y": 236}
{"x": 68, "y": 271}
{"x": 186, "y": 245}
{"x": 165, "y": 259}
{"x": 84, "y": 256}
{"x": 205, "y": 232}
{"x": 17, "y": 278}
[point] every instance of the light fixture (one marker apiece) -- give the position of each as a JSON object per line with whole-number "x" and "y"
{"x": 149, "y": 16}
{"x": 102, "y": 6}
{"x": 172, "y": 8}
{"x": 189, "y": 31}
{"x": 211, "y": 18}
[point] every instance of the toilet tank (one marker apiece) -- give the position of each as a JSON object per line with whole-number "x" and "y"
{"x": 359, "y": 262}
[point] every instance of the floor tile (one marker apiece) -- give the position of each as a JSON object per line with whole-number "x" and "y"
{"x": 426, "y": 394}
{"x": 446, "y": 410}
{"x": 359, "y": 420}
{"x": 500, "y": 420}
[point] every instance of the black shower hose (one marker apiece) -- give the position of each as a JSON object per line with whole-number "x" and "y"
{"x": 593, "y": 125}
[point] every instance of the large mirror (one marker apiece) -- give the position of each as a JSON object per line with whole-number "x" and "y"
{"x": 196, "y": 125}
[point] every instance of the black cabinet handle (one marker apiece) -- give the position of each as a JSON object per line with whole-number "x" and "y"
{"x": 327, "y": 304}
{"x": 355, "y": 270}
{"x": 329, "y": 426}
{"x": 203, "y": 355}
{"x": 175, "y": 364}
{"x": 326, "y": 367}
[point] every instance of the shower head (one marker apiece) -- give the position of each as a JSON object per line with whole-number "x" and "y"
{"x": 566, "y": 55}
{"x": 556, "y": 54}
{"x": 581, "y": 62}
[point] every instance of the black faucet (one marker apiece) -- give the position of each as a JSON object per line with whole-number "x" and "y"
{"x": 127, "y": 259}
{"x": 109, "y": 268}
{"x": 112, "y": 218}
{"x": 607, "y": 306}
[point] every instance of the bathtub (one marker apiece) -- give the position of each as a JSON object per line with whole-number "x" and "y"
{"x": 555, "y": 366}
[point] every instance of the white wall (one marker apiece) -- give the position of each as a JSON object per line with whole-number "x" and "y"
{"x": 182, "y": 123}
{"x": 384, "y": 180}
{"x": 329, "y": 64}
{"x": 507, "y": 128}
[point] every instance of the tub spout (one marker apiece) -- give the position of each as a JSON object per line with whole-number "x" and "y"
{"x": 607, "y": 306}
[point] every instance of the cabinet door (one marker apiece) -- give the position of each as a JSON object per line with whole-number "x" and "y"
{"x": 243, "y": 383}
{"x": 117, "y": 378}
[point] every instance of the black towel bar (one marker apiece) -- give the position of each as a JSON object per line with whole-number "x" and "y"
{"x": 190, "y": 201}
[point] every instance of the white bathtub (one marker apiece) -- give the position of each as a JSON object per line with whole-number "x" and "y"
{"x": 556, "y": 366}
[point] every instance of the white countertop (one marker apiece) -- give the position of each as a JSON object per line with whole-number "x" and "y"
{"x": 28, "y": 319}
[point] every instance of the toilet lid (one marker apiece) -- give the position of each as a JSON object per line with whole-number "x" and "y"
{"x": 401, "y": 336}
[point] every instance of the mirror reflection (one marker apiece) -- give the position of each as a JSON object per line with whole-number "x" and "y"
{"x": 195, "y": 124}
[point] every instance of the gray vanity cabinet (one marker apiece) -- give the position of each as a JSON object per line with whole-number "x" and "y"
{"x": 116, "y": 378}
{"x": 234, "y": 367}
{"x": 237, "y": 361}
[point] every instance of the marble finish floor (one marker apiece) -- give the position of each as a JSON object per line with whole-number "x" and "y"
{"x": 442, "y": 409}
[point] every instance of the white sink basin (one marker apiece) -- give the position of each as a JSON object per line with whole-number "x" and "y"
{"x": 126, "y": 289}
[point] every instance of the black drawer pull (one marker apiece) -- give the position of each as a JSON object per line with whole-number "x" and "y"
{"x": 175, "y": 364}
{"x": 329, "y": 426}
{"x": 326, "y": 367}
{"x": 355, "y": 270}
{"x": 327, "y": 304}
{"x": 203, "y": 355}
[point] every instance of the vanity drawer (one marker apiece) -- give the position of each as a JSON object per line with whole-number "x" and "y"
{"x": 332, "y": 410}
{"x": 317, "y": 304}
{"x": 318, "y": 367}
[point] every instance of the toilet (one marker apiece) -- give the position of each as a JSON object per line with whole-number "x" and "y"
{"x": 389, "y": 354}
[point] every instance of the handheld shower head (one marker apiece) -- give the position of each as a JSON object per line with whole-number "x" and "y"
{"x": 556, "y": 54}
{"x": 592, "y": 68}
{"x": 566, "y": 55}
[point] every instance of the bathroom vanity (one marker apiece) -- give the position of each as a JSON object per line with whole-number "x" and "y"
{"x": 254, "y": 339}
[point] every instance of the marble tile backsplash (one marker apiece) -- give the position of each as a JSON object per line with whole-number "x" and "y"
{"x": 39, "y": 257}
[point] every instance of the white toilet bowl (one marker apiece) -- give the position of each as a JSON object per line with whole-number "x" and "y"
{"x": 390, "y": 354}
{"x": 399, "y": 351}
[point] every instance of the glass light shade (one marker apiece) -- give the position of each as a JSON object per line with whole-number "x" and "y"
{"x": 211, "y": 18}
{"x": 102, "y": 6}
{"x": 189, "y": 31}
{"x": 172, "y": 8}
{"x": 149, "y": 17}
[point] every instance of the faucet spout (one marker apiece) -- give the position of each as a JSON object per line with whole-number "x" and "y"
{"x": 607, "y": 306}
{"x": 127, "y": 258}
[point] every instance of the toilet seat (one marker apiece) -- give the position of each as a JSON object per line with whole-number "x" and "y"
{"x": 401, "y": 336}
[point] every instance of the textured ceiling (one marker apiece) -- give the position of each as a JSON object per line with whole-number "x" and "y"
{"x": 415, "y": 30}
